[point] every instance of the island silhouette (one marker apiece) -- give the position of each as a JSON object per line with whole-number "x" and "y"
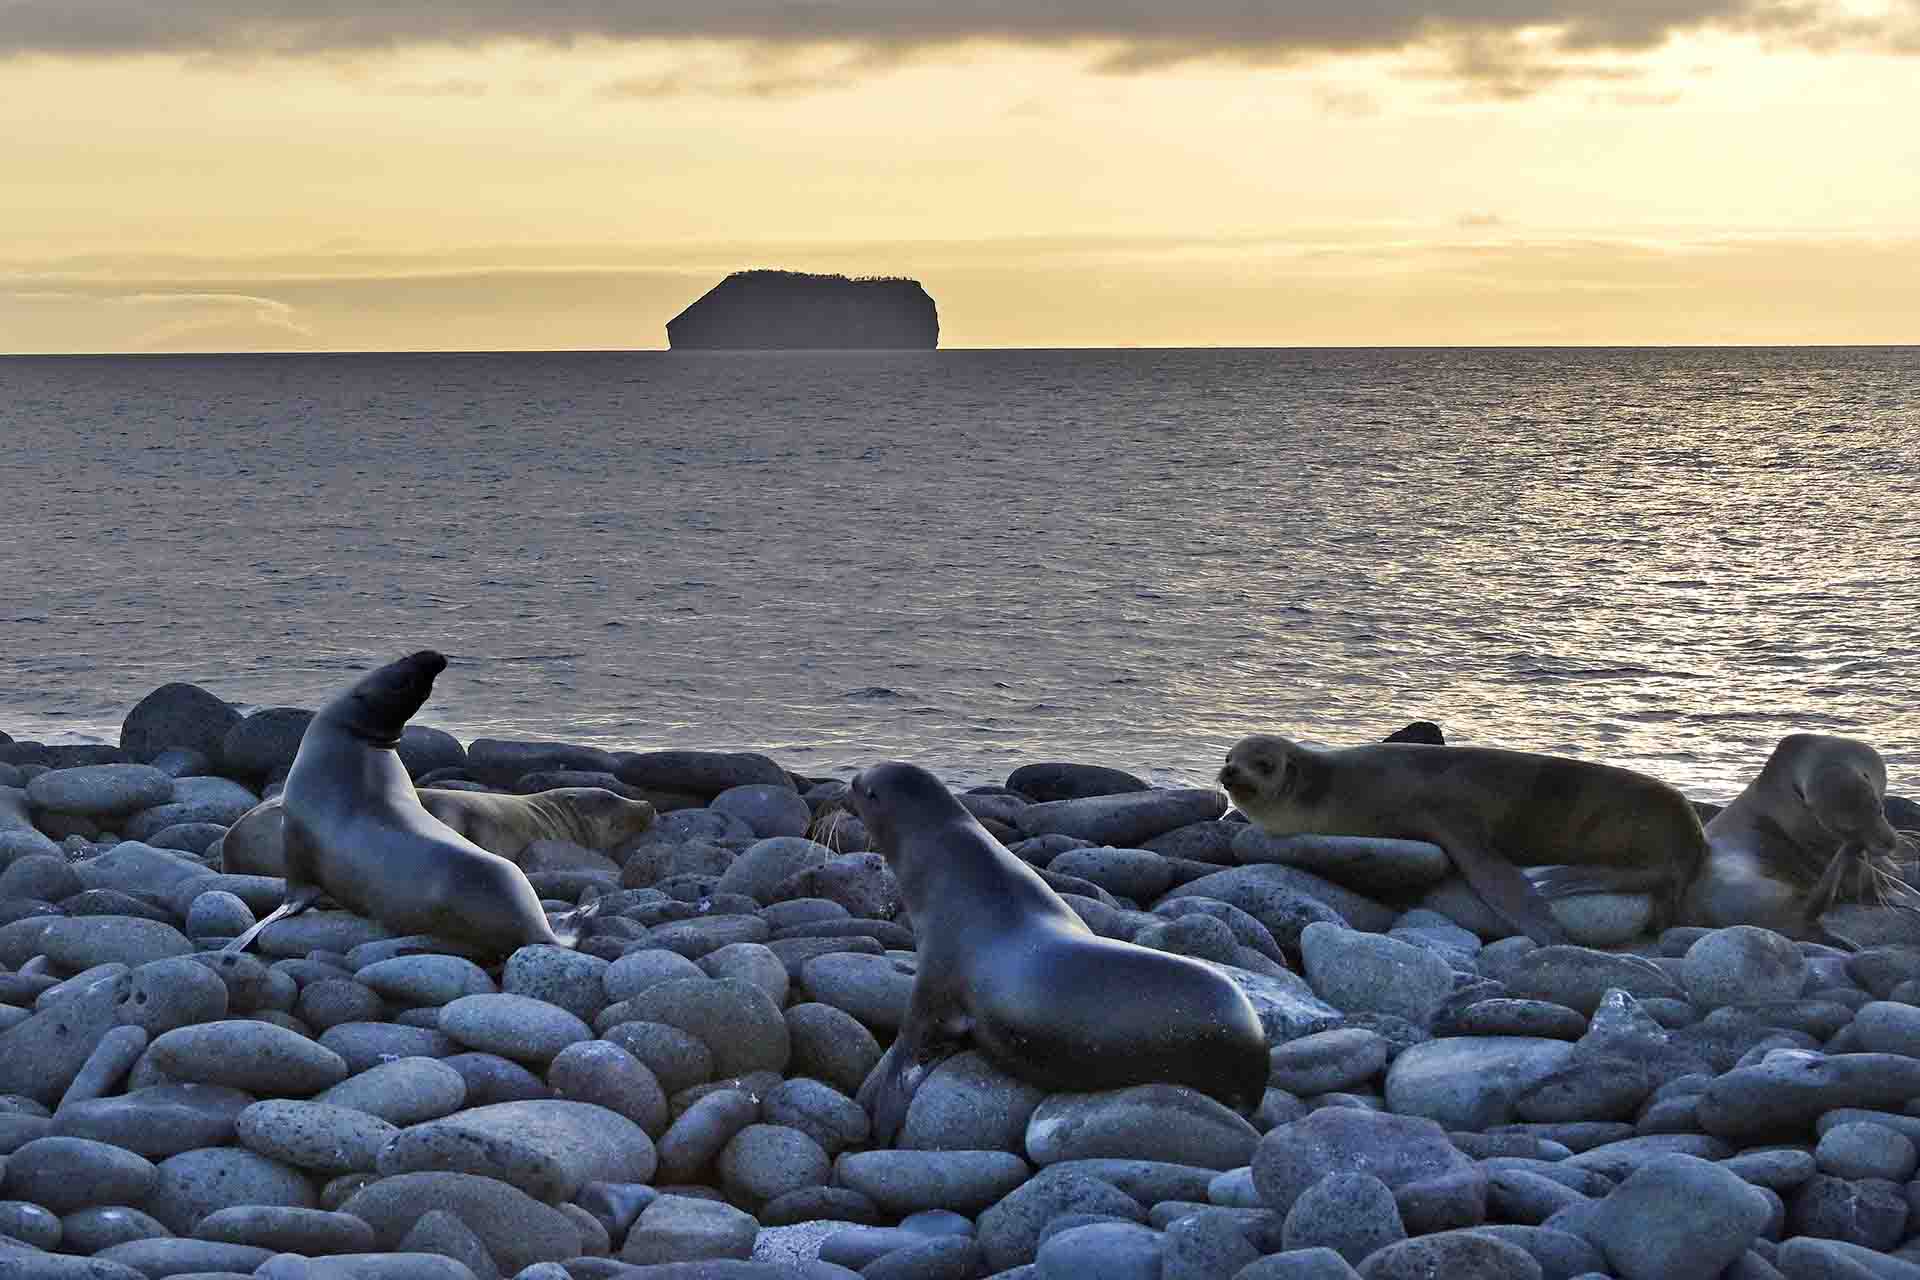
{"x": 797, "y": 310}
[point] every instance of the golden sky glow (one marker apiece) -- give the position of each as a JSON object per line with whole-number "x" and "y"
{"x": 1709, "y": 185}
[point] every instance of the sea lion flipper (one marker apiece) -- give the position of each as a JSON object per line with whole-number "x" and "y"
{"x": 297, "y": 900}
{"x": 1507, "y": 890}
{"x": 1568, "y": 882}
{"x": 926, "y": 1040}
{"x": 570, "y": 927}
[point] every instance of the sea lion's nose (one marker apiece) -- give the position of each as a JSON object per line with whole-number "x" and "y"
{"x": 1229, "y": 774}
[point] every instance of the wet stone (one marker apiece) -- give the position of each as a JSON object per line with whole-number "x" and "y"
{"x": 362, "y": 1045}
{"x": 574, "y": 982}
{"x": 1869, "y": 1212}
{"x": 1327, "y": 1062}
{"x": 1119, "y": 1250}
{"x": 314, "y": 1135}
{"x": 1144, "y": 1122}
{"x": 1861, "y": 1149}
{"x": 64, "y": 1174}
{"x": 425, "y": 979}
{"x": 765, "y": 1161}
{"x": 678, "y": 1059}
{"x": 442, "y": 1233}
{"x": 515, "y": 1027}
{"x": 287, "y": 1230}
{"x": 1507, "y": 1017}
{"x": 693, "y": 1140}
{"x": 90, "y": 1231}
{"x": 601, "y": 1072}
{"x": 831, "y": 1045}
{"x": 968, "y": 1104}
{"x": 1396, "y": 1149}
{"x": 547, "y": 1148}
{"x": 256, "y": 1056}
{"x": 158, "y": 1121}
{"x": 908, "y": 1181}
{"x": 681, "y": 1229}
{"x": 196, "y": 1183}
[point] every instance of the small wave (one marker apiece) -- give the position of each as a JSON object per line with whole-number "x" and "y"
{"x": 515, "y": 657}
{"x": 874, "y": 693}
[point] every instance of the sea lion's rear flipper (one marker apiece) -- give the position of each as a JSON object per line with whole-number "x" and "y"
{"x": 296, "y": 901}
{"x": 1503, "y": 887}
{"x": 1570, "y": 882}
{"x": 925, "y": 1041}
{"x": 573, "y": 926}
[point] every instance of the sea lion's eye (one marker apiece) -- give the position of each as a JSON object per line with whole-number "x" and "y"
{"x": 1264, "y": 766}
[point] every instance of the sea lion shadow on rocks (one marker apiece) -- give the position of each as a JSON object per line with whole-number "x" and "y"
{"x": 1006, "y": 966}
{"x": 355, "y": 830}
{"x": 1807, "y": 846}
{"x": 1604, "y": 829}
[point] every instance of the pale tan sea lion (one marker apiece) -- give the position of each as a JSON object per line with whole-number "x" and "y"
{"x": 1005, "y": 966}
{"x": 356, "y": 831}
{"x": 1811, "y": 829}
{"x": 1493, "y": 811}
{"x": 505, "y": 825}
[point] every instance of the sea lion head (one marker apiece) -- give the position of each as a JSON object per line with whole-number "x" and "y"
{"x": 884, "y": 795}
{"x": 600, "y": 819}
{"x": 1271, "y": 778}
{"x": 1846, "y": 799}
{"x": 378, "y": 706}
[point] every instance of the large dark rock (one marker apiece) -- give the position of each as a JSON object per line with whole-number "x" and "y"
{"x": 177, "y": 715}
{"x": 263, "y": 745}
{"x": 1065, "y": 781}
{"x": 792, "y": 309}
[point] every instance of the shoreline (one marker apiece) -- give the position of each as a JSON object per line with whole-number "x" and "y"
{"x": 683, "y": 1085}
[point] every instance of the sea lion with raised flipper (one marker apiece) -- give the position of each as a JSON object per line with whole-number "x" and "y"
{"x": 504, "y": 825}
{"x": 356, "y": 831}
{"x": 1492, "y": 810}
{"x": 1808, "y": 832}
{"x": 1005, "y": 966}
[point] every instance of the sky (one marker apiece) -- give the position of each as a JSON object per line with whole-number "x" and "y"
{"x": 221, "y": 175}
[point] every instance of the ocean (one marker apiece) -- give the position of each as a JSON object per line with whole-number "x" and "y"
{"x": 1657, "y": 558}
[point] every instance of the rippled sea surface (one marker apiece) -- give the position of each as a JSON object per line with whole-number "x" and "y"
{"x": 1663, "y": 559}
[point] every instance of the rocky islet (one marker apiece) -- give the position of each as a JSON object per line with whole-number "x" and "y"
{"x": 675, "y": 1099}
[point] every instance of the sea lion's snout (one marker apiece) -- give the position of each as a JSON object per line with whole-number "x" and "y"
{"x": 1230, "y": 775}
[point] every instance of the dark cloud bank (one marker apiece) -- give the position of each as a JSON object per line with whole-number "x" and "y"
{"x": 1138, "y": 33}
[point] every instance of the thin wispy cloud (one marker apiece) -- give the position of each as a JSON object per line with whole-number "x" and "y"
{"x": 1487, "y": 36}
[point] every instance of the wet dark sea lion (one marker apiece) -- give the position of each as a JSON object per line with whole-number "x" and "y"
{"x": 356, "y": 831}
{"x": 1493, "y": 811}
{"x": 504, "y": 825}
{"x": 1007, "y": 967}
{"x": 1809, "y": 830}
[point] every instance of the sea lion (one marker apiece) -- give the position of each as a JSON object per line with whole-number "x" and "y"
{"x": 356, "y": 831}
{"x": 1809, "y": 830}
{"x": 1006, "y": 966}
{"x": 503, "y": 825}
{"x": 1491, "y": 810}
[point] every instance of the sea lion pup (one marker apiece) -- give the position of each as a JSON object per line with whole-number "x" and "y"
{"x": 1493, "y": 811}
{"x": 1809, "y": 830}
{"x": 504, "y": 825}
{"x": 1006, "y": 966}
{"x": 356, "y": 831}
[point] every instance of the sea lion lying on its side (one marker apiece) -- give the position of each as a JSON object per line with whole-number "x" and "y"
{"x": 1491, "y": 810}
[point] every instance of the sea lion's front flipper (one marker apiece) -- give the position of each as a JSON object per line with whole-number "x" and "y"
{"x": 296, "y": 901}
{"x": 1505, "y": 889}
{"x": 925, "y": 1041}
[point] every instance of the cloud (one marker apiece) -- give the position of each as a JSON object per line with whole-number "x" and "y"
{"x": 84, "y": 315}
{"x": 1488, "y": 38}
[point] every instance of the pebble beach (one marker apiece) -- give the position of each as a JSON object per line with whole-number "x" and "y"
{"x": 674, "y": 1100}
